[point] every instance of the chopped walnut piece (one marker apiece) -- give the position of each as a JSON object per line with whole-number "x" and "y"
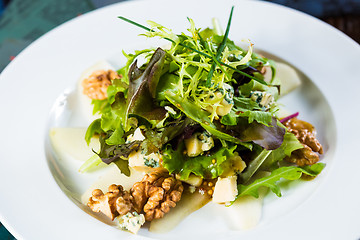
{"x": 156, "y": 194}
{"x": 305, "y": 133}
{"x": 116, "y": 201}
{"x": 95, "y": 86}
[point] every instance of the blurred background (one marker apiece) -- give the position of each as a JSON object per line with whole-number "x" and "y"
{"x": 23, "y": 21}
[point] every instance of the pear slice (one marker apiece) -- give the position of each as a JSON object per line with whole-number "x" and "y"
{"x": 190, "y": 202}
{"x": 70, "y": 142}
{"x": 288, "y": 77}
{"x": 245, "y": 213}
{"x": 112, "y": 176}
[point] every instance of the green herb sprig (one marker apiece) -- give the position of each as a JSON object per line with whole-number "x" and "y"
{"x": 216, "y": 60}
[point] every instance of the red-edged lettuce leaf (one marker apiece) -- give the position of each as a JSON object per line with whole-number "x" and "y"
{"x": 269, "y": 137}
{"x": 142, "y": 88}
{"x": 117, "y": 154}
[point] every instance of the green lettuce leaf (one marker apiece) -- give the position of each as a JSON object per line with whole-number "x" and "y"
{"x": 253, "y": 85}
{"x": 254, "y": 165}
{"x": 246, "y": 108}
{"x": 93, "y": 128}
{"x": 100, "y": 106}
{"x": 203, "y": 165}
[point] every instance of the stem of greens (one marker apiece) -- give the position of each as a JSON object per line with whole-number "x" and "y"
{"x": 254, "y": 165}
{"x": 92, "y": 162}
{"x": 220, "y": 50}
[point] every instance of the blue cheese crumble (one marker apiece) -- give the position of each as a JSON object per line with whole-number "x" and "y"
{"x": 131, "y": 222}
{"x": 141, "y": 162}
{"x": 264, "y": 99}
{"x": 229, "y": 93}
{"x": 151, "y": 160}
{"x": 198, "y": 143}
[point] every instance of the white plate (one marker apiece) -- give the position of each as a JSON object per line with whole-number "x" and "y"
{"x": 33, "y": 206}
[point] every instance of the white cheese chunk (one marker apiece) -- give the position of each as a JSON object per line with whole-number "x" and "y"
{"x": 225, "y": 189}
{"x": 193, "y": 180}
{"x": 136, "y": 159}
{"x": 193, "y": 146}
{"x": 136, "y": 136}
{"x": 131, "y": 222}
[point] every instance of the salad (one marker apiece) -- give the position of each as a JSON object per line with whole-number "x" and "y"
{"x": 201, "y": 119}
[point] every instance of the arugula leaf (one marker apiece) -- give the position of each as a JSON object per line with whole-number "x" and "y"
{"x": 289, "y": 173}
{"x": 290, "y": 144}
{"x": 123, "y": 166}
{"x": 254, "y": 165}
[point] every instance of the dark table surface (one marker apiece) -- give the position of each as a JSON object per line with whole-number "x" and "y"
{"x": 342, "y": 14}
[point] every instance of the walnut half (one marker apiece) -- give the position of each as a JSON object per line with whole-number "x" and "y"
{"x": 305, "y": 133}
{"x": 95, "y": 86}
{"x": 156, "y": 193}
{"x": 115, "y": 202}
